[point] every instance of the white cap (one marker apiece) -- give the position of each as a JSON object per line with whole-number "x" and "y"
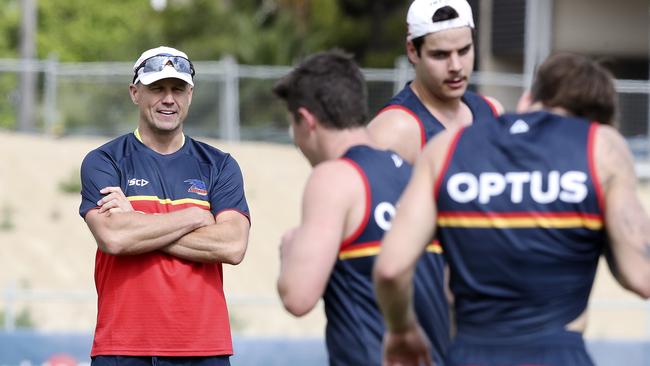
{"x": 167, "y": 71}
{"x": 420, "y": 17}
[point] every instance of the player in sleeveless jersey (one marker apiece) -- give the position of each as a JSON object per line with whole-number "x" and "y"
{"x": 166, "y": 211}
{"x": 348, "y": 204}
{"x": 440, "y": 46}
{"x": 522, "y": 226}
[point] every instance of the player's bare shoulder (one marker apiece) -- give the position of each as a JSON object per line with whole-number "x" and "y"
{"x": 398, "y": 129}
{"x": 494, "y": 103}
{"x": 336, "y": 180}
{"x": 394, "y": 120}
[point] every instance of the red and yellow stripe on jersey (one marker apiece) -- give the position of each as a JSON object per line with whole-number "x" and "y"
{"x": 517, "y": 220}
{"x": 373, "y": 248}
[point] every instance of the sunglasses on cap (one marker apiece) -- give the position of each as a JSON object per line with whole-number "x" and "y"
{"x": 158, "y": 62}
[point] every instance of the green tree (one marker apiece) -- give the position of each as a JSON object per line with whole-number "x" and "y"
{"x": 79, "y": 30}
{"x": 9, "y": 28}
{"x": 254, "y": 31}
{"x": 9, "y": 35}
{"x": 281, "y": 31}
{"x": 381, "y": 25}
{"x": 274, "y": 32}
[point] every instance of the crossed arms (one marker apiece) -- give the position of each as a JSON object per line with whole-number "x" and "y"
{"x": 192, "y": 234}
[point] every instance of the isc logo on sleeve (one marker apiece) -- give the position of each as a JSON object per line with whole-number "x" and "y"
{"x": 568, "y": 187}
{"x": 138, "y": 182}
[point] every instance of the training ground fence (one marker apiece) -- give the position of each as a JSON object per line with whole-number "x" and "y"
{"x": 231, "y": 101}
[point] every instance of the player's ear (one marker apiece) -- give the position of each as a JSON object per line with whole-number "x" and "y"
{"x": 133, "y": 92}
{"x": 190, "y": 93}
{"x": 306, "y": 117}
{"x": 411, "y": 52}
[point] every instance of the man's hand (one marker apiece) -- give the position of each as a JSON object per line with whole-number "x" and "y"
{"x": 408, "y": 348}
{"x": 207, "y": 216}
{"x": 114, "y": 201}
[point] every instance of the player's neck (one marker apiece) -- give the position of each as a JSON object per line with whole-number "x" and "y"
{"x": 164, "y": 143}
{"x": 336, "y": 142}
{"x": 538, "y": 106}
{"x": 430, "y": 99}
{"x": 450, "y": 112}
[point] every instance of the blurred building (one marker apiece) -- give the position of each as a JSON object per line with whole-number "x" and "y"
{"x": 515, "y": 35}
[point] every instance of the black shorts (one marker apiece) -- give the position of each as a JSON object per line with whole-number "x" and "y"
{"x": 560, "y": 349}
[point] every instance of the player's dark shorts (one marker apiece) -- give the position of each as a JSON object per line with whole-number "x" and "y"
{"x": 558, "y": 349}
{"x": 160, "y": 361}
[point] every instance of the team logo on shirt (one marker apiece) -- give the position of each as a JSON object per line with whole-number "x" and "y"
{"x": 520, "y": 126}
{"x": 397, "y": 160}
{"x": 197, "y": 186}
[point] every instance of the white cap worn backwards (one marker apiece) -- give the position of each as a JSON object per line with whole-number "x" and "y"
{"x": 420, "y": 17}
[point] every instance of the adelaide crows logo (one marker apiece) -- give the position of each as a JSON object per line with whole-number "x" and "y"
{"x": 197, "y": 186}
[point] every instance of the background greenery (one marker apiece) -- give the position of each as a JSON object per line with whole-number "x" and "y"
{"x": 270, "y": 32}
{"x": 254, "y": 32}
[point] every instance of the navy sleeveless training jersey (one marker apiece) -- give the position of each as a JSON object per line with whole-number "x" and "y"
{"x": 141, "y": 297}
{"x": 409, "y": 102}
{"x": 520, "y": 218}
{"x": 355, "y": 325}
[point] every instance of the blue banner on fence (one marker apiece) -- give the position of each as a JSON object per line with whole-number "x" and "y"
{"x": 25, "y": 348}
